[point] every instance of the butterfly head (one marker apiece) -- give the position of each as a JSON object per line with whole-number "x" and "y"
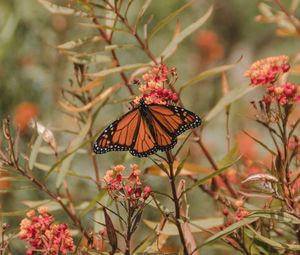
{"x": 142, "y": 102}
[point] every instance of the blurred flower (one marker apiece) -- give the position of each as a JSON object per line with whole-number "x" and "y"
{"x": 24, "y": 113}
{"x": 152, "y": 87}
{"x": 59, "y": 23}
{"x": 247, "y": 145}
{"x": 44, "y": 236}
{"x": 210, "y": 46}
{"x": 4, "y": 184}
{"x": 266, "y": 71}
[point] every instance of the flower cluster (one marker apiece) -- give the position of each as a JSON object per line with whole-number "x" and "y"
{"x": 237, "y": 216}
{"x": 126, "y": 187}
{"x": 286, "y": 93}
{"x": 152, "y": 86}
{"x": 266, "y": 71}
{"x": 43, "y": 235}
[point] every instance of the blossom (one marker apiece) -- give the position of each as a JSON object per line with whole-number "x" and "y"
{"x": 266, "y": 71}
{"x": 287, "y": 93}
{"x": 24, "y": 113}
{"x": 152, "y": 87}
{"x": 127, "y": 187}
{"x": 42, "y": 234}
{"x": 241, "y": 213}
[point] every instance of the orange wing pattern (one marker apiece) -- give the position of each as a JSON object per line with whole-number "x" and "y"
{"x": 119, "y": 136}
{"x": 144, "y": 143}
{"x": 146, "y": 129}
{"x": 174, "y": 120}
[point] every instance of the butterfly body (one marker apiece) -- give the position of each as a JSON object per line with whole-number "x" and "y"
{"x": 146, "y": 129}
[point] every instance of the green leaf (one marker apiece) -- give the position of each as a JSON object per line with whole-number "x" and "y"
{"x": 97, "y": 26}
{"x": 228, "y": 230}
{"x": 185, "y": 33}
{"x": 111, "y": 232}
{"x": 55, "y": 9}
{"x": 90, "y": 59}
{"x": 231, "y": 158}
{"x": 228, "y": 99}
{"x": 35, "y": 151}
{"x": 51, "y": 205}
{"x": 181, "y": 164}
{"x": 204, "y": 75}
{"x": 278, "y": 216}
{"x": 78, "y": 42}
{"x": 142, "y": 11}
{"x": 167, "y": 19}
{"x": 13, "y": 214}
{"x": 116, "y": 70}
{"x": 255, "y": 235}
{"x": 14, "y": 189}
{"x": 93, "y": 202}
{"x": 196, "y": 226}
{"x": 74, "y": 146}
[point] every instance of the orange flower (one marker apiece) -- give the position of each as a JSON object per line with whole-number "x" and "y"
{"x": 24, "y": 113}
{"x": 210, "y": 46}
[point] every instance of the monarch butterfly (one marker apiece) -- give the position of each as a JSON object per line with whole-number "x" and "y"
{"x": 146, "y": 129}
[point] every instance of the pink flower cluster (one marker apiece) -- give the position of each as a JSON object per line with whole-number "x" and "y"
{"x": 266, "y": 71}
{"x": 286, "y": 93}
{"x": 152, "y": 87}
{"x": 126, "y": 187}
{"x": 45, "y": 236}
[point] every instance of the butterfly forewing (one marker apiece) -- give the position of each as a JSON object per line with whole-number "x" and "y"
{"x": 175, "y": 120}
{"x": 119, "y": 136}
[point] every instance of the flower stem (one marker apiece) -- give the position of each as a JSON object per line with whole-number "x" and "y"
{"x": 172, "y": 180}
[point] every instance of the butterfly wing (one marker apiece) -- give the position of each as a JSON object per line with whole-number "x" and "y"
{"x": 120, "y": 135}
{"x": 144, "y": 141}
{"x": 170, "y": 121}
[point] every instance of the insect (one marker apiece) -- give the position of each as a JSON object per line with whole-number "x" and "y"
{"x": 146, "y": 129}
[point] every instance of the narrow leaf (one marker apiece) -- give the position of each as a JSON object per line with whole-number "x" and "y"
{"x": 185, "y": 33}
{"x": 78, "y": 42}
{"x": 55, "y": 9}
{"x": 35, "y": 151}
{"x": 111, "y": 232}
{"x": 204, "y": 75}
{"x": 167, "y": 19}
{"x": 196, "y": 226}
{"x": 231, "y": 97}
{"x": 98, "y": 99}
{"x": 228, "y": 230}
{"x": 74, "y": 146}
{"x": 255, "y": 235}
{"x": 278, "y": 216}
{"x": 116, "y": 70}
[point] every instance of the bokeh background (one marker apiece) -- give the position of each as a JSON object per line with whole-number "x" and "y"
{"x": 33, "y": 72}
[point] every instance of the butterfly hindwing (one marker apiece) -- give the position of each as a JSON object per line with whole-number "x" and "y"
{"x": 144, "y": 142}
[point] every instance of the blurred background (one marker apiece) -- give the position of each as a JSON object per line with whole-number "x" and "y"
{"x": 33, "y": 72}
